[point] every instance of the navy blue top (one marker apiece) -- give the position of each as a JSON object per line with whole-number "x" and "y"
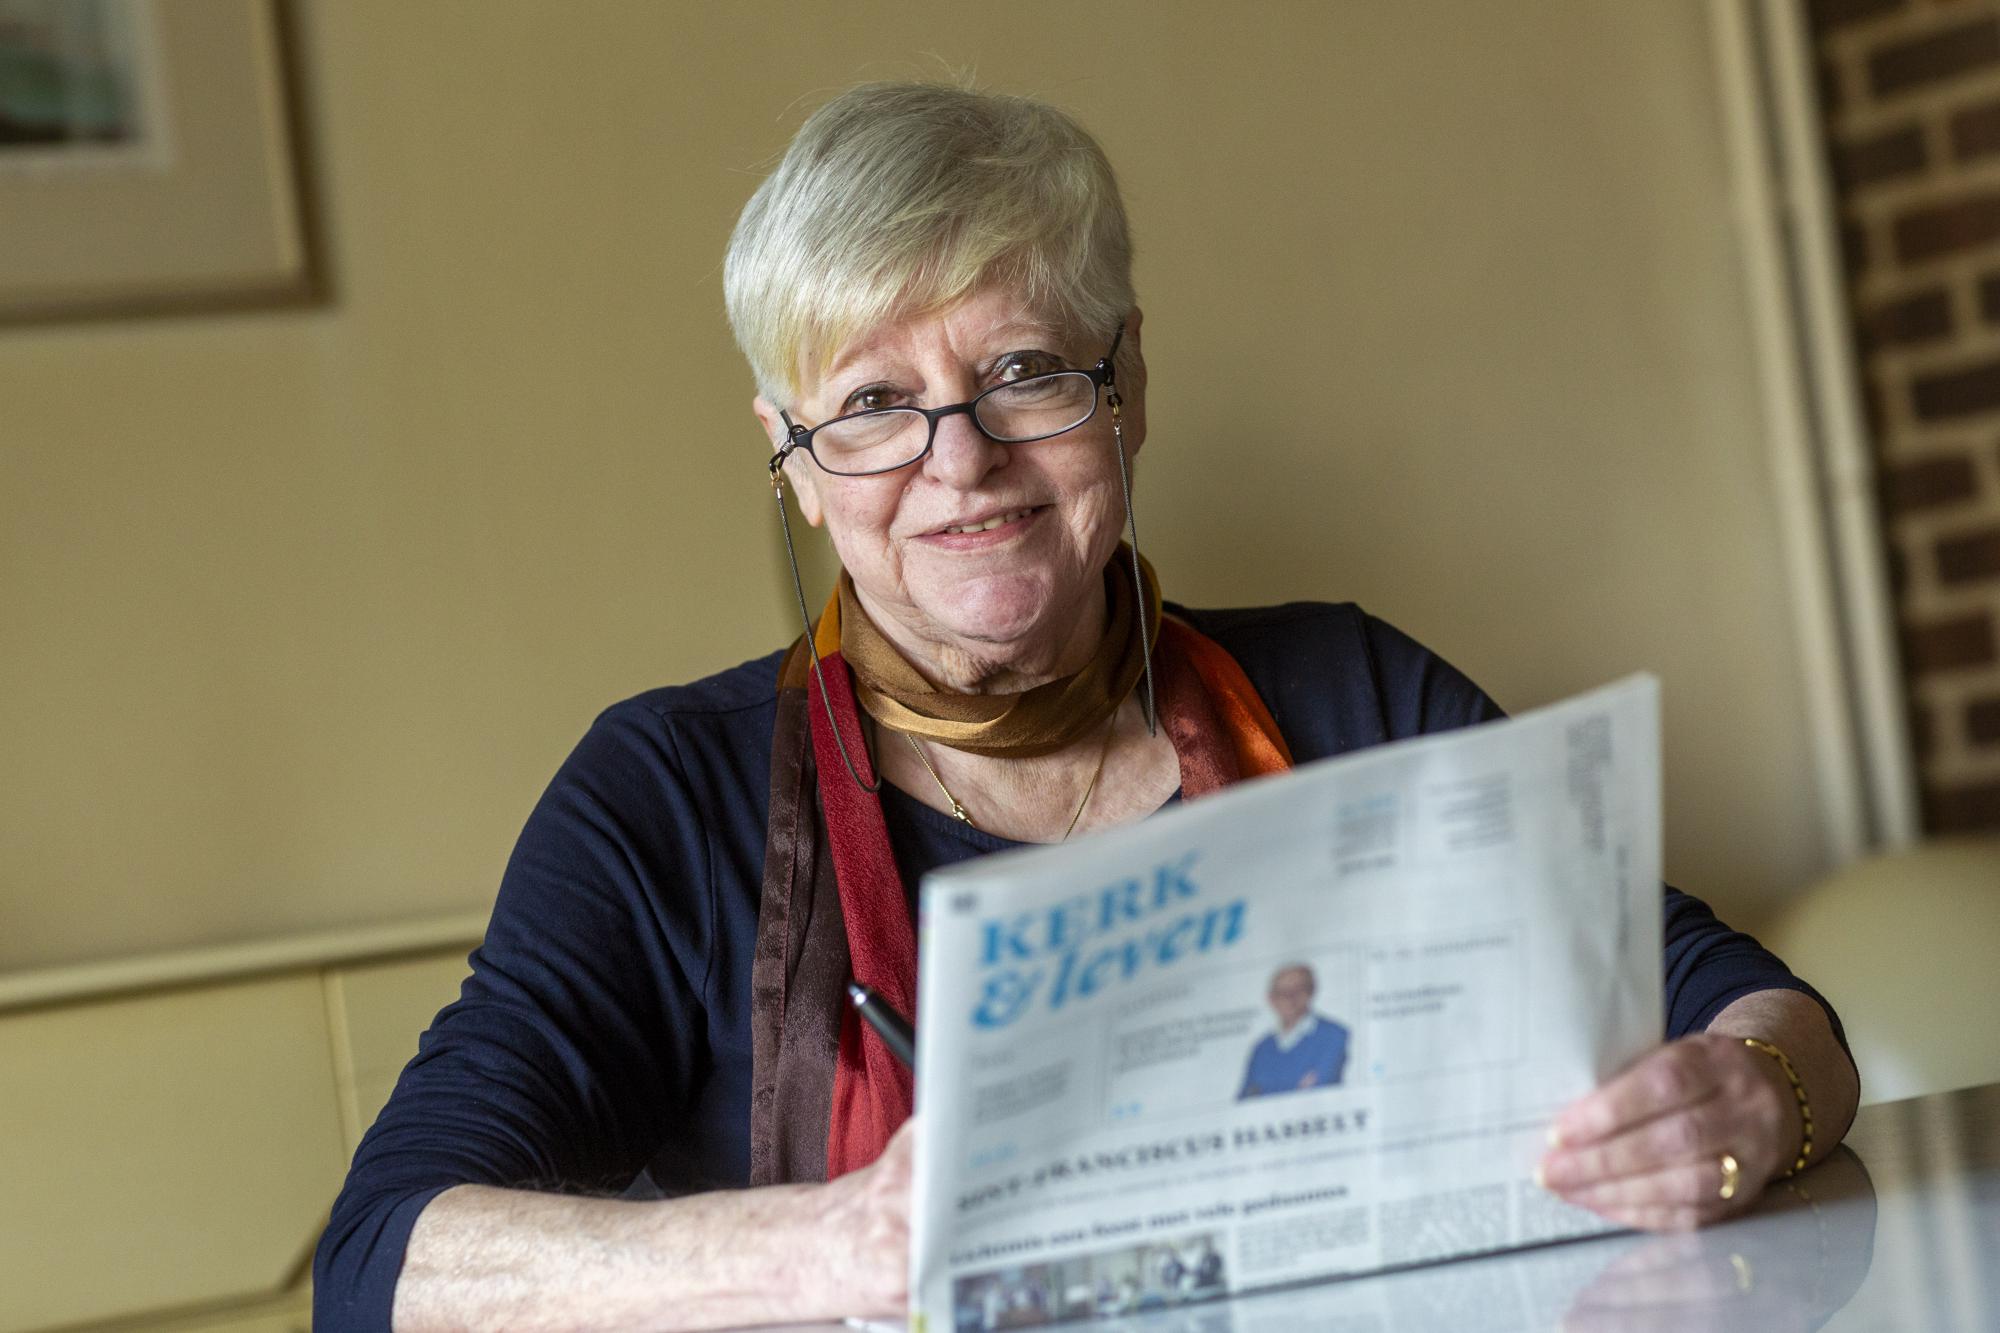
{"x": 604, "y": 1034}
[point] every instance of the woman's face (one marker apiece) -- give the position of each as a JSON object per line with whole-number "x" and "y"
{"x": 1025, "y": 596}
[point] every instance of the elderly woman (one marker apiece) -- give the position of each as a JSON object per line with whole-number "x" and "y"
{"x": 649, "y": 1106}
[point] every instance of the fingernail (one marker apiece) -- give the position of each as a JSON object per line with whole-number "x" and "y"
{"x": 1541, "y": 1177}
{"x": 1555, "y": 1136}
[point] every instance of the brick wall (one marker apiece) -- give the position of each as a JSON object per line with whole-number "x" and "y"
{"x": 1911, "y": 91}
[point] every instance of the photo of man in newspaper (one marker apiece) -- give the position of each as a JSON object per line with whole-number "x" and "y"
{"x": 1307, "y": 1050}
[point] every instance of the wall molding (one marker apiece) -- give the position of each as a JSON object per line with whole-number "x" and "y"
{"x": 76, "y": 982}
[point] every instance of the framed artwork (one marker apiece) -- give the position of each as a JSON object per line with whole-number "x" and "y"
{"x": 146, "y": 158}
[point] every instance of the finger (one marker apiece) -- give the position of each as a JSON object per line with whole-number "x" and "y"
{"x": 1588, "y": 1319}
{"x": 1667, "y": 1218}
{"x": 1685, "y": 1186}
{"x": 1681, "y": 1137}
{"x": 1669, "y": 1077}
{"x": 1715, "y": 1314}
{"x": 890, "y": 1175}
{"x": 1650, "y": 1255}
{"x": 1709, "y": 1277}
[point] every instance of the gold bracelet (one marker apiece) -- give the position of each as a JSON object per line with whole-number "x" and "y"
{"x": 1798, "y": 1091}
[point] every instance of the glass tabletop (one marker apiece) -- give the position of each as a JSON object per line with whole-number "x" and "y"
{"x": 1899, "y": 1228}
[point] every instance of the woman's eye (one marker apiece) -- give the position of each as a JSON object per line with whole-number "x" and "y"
{"x": 1021, "y": 365}
{"x": 871, "y": 399}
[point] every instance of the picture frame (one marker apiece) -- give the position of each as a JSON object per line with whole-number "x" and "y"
{"x": 148, "y": 159}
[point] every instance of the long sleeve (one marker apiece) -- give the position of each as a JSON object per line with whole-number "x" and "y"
{"x": 574, "y": 1043}
{"x": 1708, "y": 965}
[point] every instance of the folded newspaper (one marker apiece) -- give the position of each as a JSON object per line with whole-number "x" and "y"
{"x": 1314, "y": 1025}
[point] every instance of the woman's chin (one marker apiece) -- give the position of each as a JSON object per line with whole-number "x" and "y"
{"x": 1006, "y": 621}
{"x": 1002, "y": 640}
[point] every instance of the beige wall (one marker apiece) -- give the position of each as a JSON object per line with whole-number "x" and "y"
{"x": 174, "y": 1131}
{"x": 300, "y": 610}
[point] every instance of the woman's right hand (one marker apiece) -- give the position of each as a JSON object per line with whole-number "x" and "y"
{"x": 862, "y": 1229}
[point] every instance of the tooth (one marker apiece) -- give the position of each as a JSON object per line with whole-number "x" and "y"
{"x": 991, "y": 523}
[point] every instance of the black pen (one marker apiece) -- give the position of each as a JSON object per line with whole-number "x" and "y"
{"x": 892, "y": 1027}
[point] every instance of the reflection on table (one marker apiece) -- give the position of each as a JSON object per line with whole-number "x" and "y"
{"x": 1898, "y": 1229}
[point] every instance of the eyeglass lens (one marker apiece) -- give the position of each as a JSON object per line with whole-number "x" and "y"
{"x": 1034, "y": 409}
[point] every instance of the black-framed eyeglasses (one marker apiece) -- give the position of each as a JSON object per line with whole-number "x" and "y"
{"x": 1040, "y": 407}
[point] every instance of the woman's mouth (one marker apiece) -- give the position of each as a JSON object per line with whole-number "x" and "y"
{"x": 976, "y": 534}
{"x": 987, "y": 525}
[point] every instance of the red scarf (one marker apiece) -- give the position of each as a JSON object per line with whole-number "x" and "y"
{"x": 1221, "y": 733}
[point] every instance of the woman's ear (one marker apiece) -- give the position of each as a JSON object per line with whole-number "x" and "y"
{"x": 1132, "y": 382}
{"x": 798, "y": 468}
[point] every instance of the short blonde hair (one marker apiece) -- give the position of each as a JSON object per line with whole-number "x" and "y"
{"x": 899, "y": 199}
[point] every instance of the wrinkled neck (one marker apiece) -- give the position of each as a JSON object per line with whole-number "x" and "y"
{"x": 969, "y": 666}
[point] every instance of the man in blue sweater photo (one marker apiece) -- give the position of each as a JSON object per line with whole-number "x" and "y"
{"x": 1307, "y": 1051}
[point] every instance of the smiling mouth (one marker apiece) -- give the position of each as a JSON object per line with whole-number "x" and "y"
{"x": 987, "y": 525}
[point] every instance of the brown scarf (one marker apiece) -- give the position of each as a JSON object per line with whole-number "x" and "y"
{"x": 1033, "y": 722}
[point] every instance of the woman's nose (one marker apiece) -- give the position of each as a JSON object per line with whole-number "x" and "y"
{"x": 962, "y": 454}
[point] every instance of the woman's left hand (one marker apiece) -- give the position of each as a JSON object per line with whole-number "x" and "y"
{"x": 1645, "y": 1150}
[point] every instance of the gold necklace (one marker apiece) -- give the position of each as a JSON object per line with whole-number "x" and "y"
{"x": 958, "y": 810}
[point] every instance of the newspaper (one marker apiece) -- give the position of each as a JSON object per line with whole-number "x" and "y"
{"x": 1314, "y": 1025}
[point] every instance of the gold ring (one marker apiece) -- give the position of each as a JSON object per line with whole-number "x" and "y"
{"x": 1731, "y": 1173}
